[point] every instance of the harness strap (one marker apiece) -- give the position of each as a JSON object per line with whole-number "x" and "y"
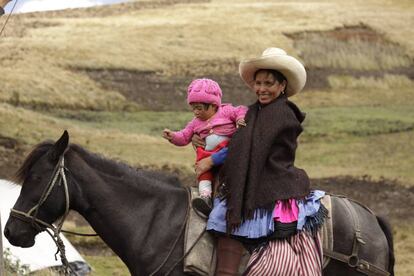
{"x": 59, "y": 171}
{"x": 353, "y": 260}
{"x": 177, "y": 239}
{"x": 363, "y": 266}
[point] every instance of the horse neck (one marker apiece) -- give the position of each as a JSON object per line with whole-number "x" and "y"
{"x": 134, "y": 219}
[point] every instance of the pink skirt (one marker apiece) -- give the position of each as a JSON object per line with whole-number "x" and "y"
{"x": 286, "y": 212}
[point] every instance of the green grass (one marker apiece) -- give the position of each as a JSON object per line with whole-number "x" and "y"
{"x": 106, "y": 266}
{"x": 144, "y": 122}
{"x": 347, "y": 140}
{"x": 333, "y": 123}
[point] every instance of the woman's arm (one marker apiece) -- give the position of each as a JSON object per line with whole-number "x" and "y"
{"x": 219, "y": 157}
{"x": 208, "y": 163}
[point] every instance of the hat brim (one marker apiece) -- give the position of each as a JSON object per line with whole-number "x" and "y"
{"x": 289, "y": 66}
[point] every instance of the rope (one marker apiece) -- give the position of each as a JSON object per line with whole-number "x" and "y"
{"x": 59, "y": 171}
{"x": 178, "y": 237}
{"x": 186, "y": 253}
{"x": 8, "y": 16}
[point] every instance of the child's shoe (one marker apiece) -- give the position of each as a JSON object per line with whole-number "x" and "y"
{"x": 202, "y": 206}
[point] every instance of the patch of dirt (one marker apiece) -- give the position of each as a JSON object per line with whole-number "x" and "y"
{"x": 344, "y": 37}
{"x": 156, "y": 92}
{"x": 12, "y": 154}
{"x": 385, "y": 197}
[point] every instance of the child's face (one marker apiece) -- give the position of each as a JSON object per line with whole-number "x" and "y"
{"x": 202, "y": 112}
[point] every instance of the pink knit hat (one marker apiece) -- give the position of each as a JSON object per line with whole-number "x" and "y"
{"x": 204, "y": 91}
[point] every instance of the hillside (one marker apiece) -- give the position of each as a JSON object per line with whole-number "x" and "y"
{"x": 115, "y": 76}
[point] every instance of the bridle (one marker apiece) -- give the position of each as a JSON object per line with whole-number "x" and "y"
{"x": 58, "y": 177}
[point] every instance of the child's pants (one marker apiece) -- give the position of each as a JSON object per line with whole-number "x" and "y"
{"x": 202, "y": 153}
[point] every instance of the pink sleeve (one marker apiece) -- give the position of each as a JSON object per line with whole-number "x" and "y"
{"x": 183, "y": 137}
{"x": 236, "y": 113}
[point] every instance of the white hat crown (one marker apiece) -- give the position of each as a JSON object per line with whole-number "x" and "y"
{"x": 274, "y": 51}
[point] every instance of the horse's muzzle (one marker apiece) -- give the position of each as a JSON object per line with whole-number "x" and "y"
{"x": 20, "y": 234}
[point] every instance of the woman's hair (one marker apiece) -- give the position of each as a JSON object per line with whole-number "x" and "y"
{"x": 276, "y": 74}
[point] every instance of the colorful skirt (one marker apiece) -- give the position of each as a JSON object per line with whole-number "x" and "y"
{"x": 305, "y": 214}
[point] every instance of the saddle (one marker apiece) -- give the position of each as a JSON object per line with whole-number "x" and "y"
{"x": 199, "y": 245}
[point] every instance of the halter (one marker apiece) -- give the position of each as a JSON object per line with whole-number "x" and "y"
{"x": 58, "y": 176}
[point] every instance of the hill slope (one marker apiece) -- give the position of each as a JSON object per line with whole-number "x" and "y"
{"x": 115, "y": 76}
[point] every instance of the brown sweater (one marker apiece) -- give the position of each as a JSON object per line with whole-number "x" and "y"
{"x": 259, "y": 168}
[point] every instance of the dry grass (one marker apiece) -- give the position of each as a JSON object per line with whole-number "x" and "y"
{"x": 178, "y": 39}
{"x": 138, "y": 149}
{"x": 354, "y": 54}
{"x": 37, "y": 82}
{"x": 387, "y": 83}
{"x": 194, "y": 39}
{"x": 404, "y": 248}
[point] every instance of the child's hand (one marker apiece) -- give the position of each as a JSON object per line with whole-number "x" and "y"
{"x": 168, "y": 134}
{"x": 240, "y": 123}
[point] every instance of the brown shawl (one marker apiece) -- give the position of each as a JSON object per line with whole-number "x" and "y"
{"x": 259, "y": 167}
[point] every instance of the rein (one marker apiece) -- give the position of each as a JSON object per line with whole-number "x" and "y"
{"x": 174, "y": 245}
{"x": 58, "y": 176}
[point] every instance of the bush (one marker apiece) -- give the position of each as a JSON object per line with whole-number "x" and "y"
{"x": 13, "y": 266}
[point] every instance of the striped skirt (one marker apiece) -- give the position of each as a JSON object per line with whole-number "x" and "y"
{"x": 298, "y": 255}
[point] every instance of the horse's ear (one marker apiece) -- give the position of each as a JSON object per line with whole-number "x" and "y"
{"x": 59, "y": 147}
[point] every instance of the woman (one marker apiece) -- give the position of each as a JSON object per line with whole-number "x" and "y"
{"x": 267, "y": 200}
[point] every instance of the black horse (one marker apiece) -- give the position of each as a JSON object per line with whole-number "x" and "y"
{"x": 140, "y": 214}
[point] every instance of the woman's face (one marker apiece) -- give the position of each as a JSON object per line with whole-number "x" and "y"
{"x": 267, "y": 88}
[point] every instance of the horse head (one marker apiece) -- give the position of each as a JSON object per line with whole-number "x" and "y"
{"x": 42, "y": 200}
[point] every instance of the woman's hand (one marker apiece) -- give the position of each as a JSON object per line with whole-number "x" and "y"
{"x": 203, "y": 165}
{"x": 3, "y": 3}
{"x": 168, "y": 134}
{"x": 197, "y": 141}
{"x": 240, "y": 123}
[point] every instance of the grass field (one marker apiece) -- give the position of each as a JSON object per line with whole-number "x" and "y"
{"x": 359, "y": 99}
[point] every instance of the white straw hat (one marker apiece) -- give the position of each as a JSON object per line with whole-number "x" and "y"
{"x": 275, "y": 59}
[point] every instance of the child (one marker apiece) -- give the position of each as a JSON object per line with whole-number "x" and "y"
{"x": 213, "y": 122}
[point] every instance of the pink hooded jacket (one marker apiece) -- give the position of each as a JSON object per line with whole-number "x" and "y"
{"x": 222, "y": 123}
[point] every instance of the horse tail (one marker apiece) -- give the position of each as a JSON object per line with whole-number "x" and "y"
{"x": 386, "y": 228}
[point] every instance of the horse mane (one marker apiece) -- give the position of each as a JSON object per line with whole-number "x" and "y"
{"x": 109, "y": 167}
{"x": 38, "y": 151}
{"x": 119, "y": 169}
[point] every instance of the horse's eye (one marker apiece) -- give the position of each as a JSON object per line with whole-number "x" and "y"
{"x": 34, "y": 177}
